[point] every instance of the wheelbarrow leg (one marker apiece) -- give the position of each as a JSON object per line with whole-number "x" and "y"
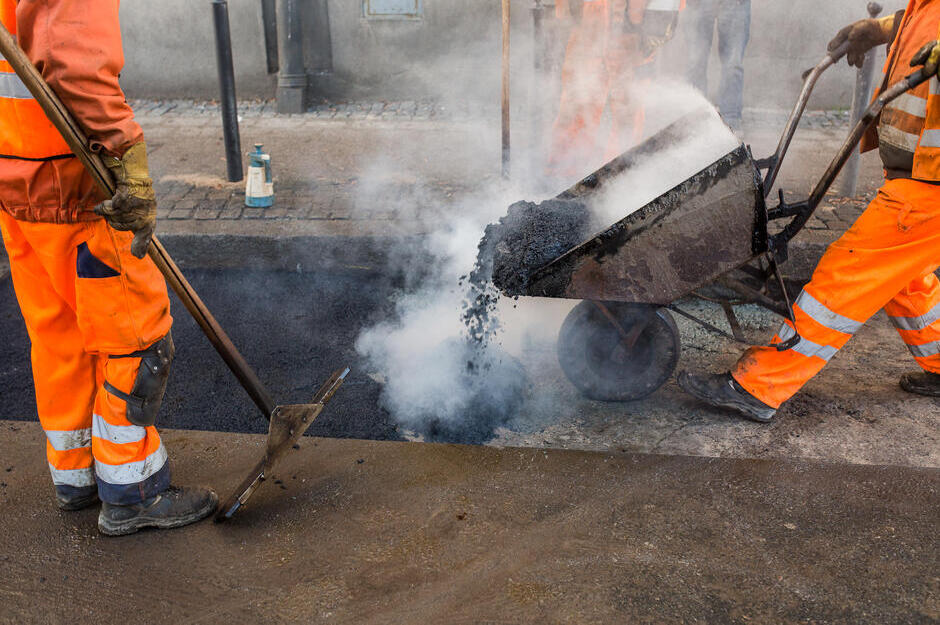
{"x": 733, "y": 321}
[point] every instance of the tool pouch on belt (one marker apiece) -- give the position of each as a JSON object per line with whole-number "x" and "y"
{"x": 144, "y": 400}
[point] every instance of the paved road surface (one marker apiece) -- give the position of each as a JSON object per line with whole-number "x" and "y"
{"x": 385, "y": 532}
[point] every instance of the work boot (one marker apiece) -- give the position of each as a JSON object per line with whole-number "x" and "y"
{"x": 71, "y": 498}
{"x": 723, "y": 391}
{"x": 921, "y": 383}
{"x": 175, "y": 507}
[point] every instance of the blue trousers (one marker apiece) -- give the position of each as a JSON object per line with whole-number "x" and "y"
{"x": 733, "y": 18}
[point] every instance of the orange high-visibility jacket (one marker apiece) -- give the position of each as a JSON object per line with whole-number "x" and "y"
{"x": 76, "y": 46}
{"x": 912, "y": 122}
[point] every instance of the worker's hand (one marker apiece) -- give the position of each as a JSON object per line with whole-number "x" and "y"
{"x": 657, "y": 29}
{"x": 862, "y": 36}
{"x": 929, "y": 57}
{"x": 134, "y": 205}
{"x": 651, "y": 44}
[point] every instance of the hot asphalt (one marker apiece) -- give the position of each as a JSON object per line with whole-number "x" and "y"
{"x": 293, "y": 328}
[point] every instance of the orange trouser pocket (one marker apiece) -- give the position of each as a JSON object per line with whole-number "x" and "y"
{"x": 885, "y": 260}
{"x": 121, "y": 301}
{"x": 85, "y": 298}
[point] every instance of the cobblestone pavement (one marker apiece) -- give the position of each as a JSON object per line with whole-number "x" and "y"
{"x": 356, "y": 110}
{"x": 419, "y": 110}
{"x": 181, "y": 201}
{"x": 317, "y": 198}
{"x": 330, "y": 201}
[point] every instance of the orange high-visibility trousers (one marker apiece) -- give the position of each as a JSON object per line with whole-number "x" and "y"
{"x": 599, "y": 69}
{"x": 86, "y": 302}
{"x": 885, "y": 260}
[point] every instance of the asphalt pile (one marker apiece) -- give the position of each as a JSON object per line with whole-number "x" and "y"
{"x": 530, "y": 236}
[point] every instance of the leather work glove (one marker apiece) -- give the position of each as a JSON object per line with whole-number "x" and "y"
{"x": 134, "y": 205}
{"x": 656, "y": 31}
{"x": 864, "y": 35}
{"x": 929, "y": 57}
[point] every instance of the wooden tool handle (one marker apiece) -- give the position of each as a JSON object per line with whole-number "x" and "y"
{"x": 506, "y": 160}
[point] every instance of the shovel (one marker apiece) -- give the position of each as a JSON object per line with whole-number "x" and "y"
{"x": 287, "y": 423}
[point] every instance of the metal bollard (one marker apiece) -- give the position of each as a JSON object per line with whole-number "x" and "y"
{"x": 223, "y": 55}
{"x": 863, "y": 93}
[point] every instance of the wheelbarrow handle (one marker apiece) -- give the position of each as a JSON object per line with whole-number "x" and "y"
{"x": 810, "y": 77}
{"x": 804, "y": 210}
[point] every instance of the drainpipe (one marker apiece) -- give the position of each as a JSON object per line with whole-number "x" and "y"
{"x": 292, "y": 77}
{"x": 269, "y": 23}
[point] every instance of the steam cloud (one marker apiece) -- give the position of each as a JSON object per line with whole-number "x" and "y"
{"x": 422, "y": 353}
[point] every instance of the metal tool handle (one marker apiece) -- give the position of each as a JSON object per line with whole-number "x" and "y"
{"x": 62, "y": 119}
{"x": 810, "y": 77}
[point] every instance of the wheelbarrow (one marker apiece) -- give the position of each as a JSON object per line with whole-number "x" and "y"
{"x": 713, "y": 232}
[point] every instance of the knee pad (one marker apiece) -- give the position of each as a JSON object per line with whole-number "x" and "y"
{"x": 144, "y": 400}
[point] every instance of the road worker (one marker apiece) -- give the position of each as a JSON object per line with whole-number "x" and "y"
{"x": 732, "y": 21}
{"x": 888, "y": 257}
{"x": 95, "y": 306}
{"x": 609, "y": 41}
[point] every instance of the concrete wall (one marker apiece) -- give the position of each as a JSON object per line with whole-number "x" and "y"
{"x": 169, "y": 49}
{"x": 453, "y": 51}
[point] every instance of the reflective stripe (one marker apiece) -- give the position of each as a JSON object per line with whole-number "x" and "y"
{"x": 898, "y": 138}
{"x": 120, "y": 434}
{"x": 72, "y": 477}
{"x": 910, "y": 104}
{"x": 914, "y": 324}
{"x": 64, "y": 440}
{"x": 934, "y": 86}
{"x": 132, "y": 472}
{"x": 12, "y": 87}
{"x": 663, "y": 5}
{"x": 930, "y": 139}
{"x": 825, "y": 317}
{"x": 926, "y": 350}
{"x": 807, "y": 348}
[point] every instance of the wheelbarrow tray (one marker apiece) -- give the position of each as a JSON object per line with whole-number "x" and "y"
{"x": 702, "y": 228}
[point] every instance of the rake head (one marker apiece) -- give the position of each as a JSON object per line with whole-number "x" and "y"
{"x": 288, "y": 424}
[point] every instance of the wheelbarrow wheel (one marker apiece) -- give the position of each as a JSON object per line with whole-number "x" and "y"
{"x": 612, "y": 363}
